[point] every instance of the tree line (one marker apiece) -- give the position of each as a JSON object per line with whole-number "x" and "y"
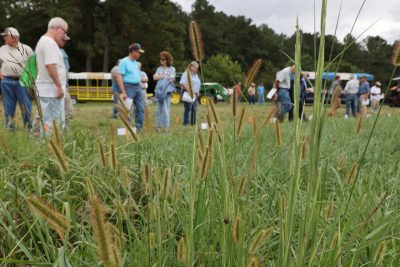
{"x": 102, "y": 30}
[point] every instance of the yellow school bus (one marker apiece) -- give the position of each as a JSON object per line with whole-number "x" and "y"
{"x": 90, "y": 86}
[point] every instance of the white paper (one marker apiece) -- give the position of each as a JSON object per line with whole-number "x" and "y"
{"x": 271, "y": 93}
{"x": 123, "y": 132}
{"x": 204, "y": 125}
{"x": 365, "y": 102}
{"x": 186, "y": 97}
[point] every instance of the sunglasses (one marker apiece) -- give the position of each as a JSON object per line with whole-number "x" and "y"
{"x": 162, "y": 59}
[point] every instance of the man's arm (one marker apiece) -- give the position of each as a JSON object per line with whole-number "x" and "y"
{"x": 121, "y": 86}
{"x": 276, "y": 84}
{"x": 52, "y": 70}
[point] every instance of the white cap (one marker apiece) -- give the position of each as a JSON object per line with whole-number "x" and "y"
{"x": 10, "y": 31}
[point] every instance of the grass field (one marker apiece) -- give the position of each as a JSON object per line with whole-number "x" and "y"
{"x": 202, "y": 198}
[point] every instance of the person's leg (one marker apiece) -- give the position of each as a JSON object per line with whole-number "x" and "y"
{"x": 167, "y": 108}
{"x": 45, "y": 106}
{"x": 58, "y": 112}
{"x": 262, "y": 98}
{"x": 285, "y": 103}
{"x": 186, "y": 112}
{"x": 69, "y": 110}
{"x": 36, "y": 125}
{"x": 301, "y": 109}
{"x": 364, "y": 108}
{"x": 375, "y": 105}
{"x": 115, "y": 102}
{"x": 354, "y": 106}
{"x": 144, "y": 92}
{"x": 9, "y": 102}
{"x": 193, "y": 112}
{"x": 291, "y": 95}
{"x": 159, "y": 114}
{"x": 24, "y": 101}
{"x": 139, "y": 105}
{"x": 348, "y": 103}
{"x": 358, "y": 104}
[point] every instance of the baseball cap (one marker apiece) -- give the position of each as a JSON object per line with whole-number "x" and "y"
{"x": 136, "y": 47}
{"x": 378, "y": 84}
{"x": 10, "y": 31}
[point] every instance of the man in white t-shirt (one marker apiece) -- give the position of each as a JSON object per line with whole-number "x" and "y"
{"x": 51, "y": 77}
{"x": 282, "y": 84}
{"x": 375, "y": 96}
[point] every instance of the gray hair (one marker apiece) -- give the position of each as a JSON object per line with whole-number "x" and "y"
{"x": 194, "y": 64}
{"x": 57, "y": 22}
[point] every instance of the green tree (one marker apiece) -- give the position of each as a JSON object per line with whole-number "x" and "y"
{"x": 222, "y": 69}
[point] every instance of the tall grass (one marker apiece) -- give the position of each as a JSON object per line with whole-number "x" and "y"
{"x": 226, "y": 196}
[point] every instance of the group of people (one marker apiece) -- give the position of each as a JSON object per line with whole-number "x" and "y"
{"x": 51, "y": 82}
{"x": 358, "y": 96}
{"x": 51, "y": 67}
{"x": 357, "y": 92}
{"x": 130, "y": 83}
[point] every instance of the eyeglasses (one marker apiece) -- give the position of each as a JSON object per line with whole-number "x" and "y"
{"x": 65, "y": 32}
{"x": 162, "y": 59}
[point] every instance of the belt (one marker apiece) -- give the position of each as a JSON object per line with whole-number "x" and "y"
{"x": 11, "y": 78}
{"x": 132, "y": 84}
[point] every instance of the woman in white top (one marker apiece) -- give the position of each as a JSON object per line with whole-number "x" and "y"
{"x": 190, "y": 105}
{"x": 375, "y": 96}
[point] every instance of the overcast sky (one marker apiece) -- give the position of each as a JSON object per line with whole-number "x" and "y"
{"x": 280, "y": 15}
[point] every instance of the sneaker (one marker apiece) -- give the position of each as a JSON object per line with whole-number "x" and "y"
{"x": 346, "y": 116}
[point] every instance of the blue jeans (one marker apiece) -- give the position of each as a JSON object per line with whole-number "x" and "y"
{"x": 135, "y": 92}
{"x": 351, "y": 101}
{"x": 163, "y": 110}
{"x": 12, "y": 93}
{"x": 261, "y": 99}
{"x": 285, "y": 103}
{"x": 189, "y": 113}
{"x": 115, "y": 89}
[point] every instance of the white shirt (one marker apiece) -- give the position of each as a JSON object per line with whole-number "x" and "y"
{"x": 377, "y": 91}
{"x": 13, "y": 59}
{"x": 352, "y": 86}
{"x": 283, "y": 76}
{"x": 47, "y": 53}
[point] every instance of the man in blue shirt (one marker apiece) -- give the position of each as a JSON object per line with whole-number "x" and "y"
{"x": 129, "y": 78}
{"x": 363, "y": 92}
{"x": 260, "y": 91}
{"x": 68, "y": 109}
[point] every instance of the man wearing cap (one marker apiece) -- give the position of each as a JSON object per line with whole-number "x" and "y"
{"x": 375, "y": 96}
{"x": 51, "y": 78}
{"x": 129, "y": 78}
{"x": 351, "y": 90}
{"x": 13, "y": 56}
{"x": 363, "y": 92}
{"x": 282, "y": 84}
{"x": 252, "y": 94}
